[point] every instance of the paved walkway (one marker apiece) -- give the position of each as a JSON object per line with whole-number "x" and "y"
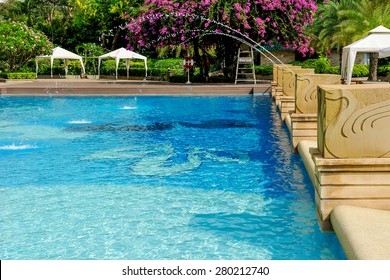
{"x": 124, "y": 87}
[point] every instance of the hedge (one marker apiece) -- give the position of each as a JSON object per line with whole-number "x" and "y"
{"x": 20, "y": 75}
{"x": 264, "y": 70}
{"x": 383, "y": 70}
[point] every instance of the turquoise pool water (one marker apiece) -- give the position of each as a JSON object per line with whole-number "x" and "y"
{"x": 153, "y": 178}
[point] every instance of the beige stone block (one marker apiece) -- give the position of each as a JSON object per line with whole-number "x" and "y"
{"x": 354, "y": 121}
{"x": 306, "y": 90}
{"x": 303, "y": 127}
{"x": 297, "y": 125}
{"x": 286, "y": 105}
{"x": 280, "y": 72}
{"x": 305, "y": 133}
{"x": 363, "y": 233}
{"x": 288, "y": 78}
{"x": 353, "y": 178}
{"x": 363, "y": 182}
{"x": 325, "y": 206}
{"x": 355, "y": 192}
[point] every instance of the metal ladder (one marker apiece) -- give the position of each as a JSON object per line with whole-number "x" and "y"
{"x": 243, "y": 72}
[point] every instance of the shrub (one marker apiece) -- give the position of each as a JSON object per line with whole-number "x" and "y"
{"x": 332, "y": 70}
{"x": 360, "y": 70}
{"x": 383, "y": 70}
{"x": 19, "y": 40}
{"x": 137, "y": 68}
{"x": 264, "y": 70}
{"x": 320, "y": 65}
{"x": 21, "y": 75}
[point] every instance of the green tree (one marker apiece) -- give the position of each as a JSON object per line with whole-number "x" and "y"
{"x": 339, "y": 23}
{"x": 108, "y": 17}
{"x": 357, "y": 22}
{"x": 50, "y": 16}
{"x": 19, "y": 43}
{"x": 326, "y": 30}
{"x": 222, "y": 24}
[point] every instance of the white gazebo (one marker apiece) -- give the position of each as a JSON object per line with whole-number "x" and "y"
{"x": 122, "y": 53}
{"x": 376, "y": 41}
{"x": 384, "y": 52}
{"x": 60, "y": 53}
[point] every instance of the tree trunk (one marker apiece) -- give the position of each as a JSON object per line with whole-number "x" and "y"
{"x": 372, "y": 76}
{"x": 114, "y": 45}
{"x": 198, "y": 59}
{"x": 230, "y": 53}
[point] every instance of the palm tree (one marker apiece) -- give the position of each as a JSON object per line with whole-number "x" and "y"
{"x": 357, "y": 22}
{"x": 342, "y": 22}
{"x": 327, "y": 30}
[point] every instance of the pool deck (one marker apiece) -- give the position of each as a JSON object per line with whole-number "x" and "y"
{"x": 94, "y": 87}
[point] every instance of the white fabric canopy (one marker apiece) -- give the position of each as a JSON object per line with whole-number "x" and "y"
{"x": 384, "y": 52}
{"x": 60, "y": 53}
{"x": 377, "y": 40}
{"x": 122, "y": 53}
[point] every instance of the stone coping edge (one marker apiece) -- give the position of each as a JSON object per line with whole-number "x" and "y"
{"x": 364, "y": 233}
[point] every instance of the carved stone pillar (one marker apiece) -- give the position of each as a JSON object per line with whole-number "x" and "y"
{"x": 352, "y": 162}
{"x": 304, "y": 118}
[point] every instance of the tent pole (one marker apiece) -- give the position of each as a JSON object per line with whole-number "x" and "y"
{"x": 36, "y": 67}
{"x": 51, "y": 67}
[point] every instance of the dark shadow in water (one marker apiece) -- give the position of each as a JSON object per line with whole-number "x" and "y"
{"x": 218, "y": 123}
{"x": 112, "y": 127}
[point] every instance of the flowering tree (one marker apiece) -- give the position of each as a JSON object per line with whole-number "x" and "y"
{"x": 19, "y": 43}
{"x": 165, "y": 22}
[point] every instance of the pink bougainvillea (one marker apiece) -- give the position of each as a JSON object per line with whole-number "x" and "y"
{"x": 267, "y": 21}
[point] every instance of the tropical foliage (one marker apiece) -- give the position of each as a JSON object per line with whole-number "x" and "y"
{"x": 206, "y": 29}
{"x": 341, "y": 22}
{"x": 19, "y": 43}
{"x": 175, "y": 22}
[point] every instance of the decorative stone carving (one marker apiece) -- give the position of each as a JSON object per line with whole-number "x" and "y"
{"x": 306, "y": 90}
{"x": 352, "y": 162}
{"x": 354, "y": 121}
{"x": 288, "y": 78}
{"x": 304, "y": 117}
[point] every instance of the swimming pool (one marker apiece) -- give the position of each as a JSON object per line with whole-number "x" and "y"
{"x": 153, "y": 178}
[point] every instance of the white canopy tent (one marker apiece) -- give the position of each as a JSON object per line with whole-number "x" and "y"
{"x": 60, "y": 53}
{"x": 122, "y": 53}
{"x": 384, "y": 52}
{"x": 377, "y": 40}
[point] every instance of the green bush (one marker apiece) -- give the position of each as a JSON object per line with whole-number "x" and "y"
{"x": 383, "y": 70}
{"x": 360, "y": 70}
{"x": 108, "y": 66}
{"x": 333, "y": 70}
{"x": 320, "y": 65}
{"x": 21, "y": 75}
{"x": 159, "y": 67}
{"x": 44, "y": 68}
{"x": 264, "y": 70}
